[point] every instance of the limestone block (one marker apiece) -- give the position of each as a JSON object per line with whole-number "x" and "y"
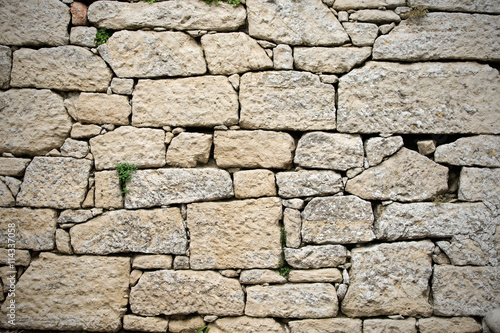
{"x": 483, "y": 6}
{"x": 83, "y": 36}
{"x": 381, "y": 271}
{"x": 77, "y": 216}
{"x": 377, "y": 148}
{"x": 63, "y": 242}
{"x": 5, "y": 66}
{"x": 246, "y": 325}
{"x": 235, "y": 234}
{"x": 108, "y": 190}
{"x": 480, "y": 150}
{"x": 330, "y": 325}
{"x": 305, "y": 300}
{"x": 189, "y": 149}
{"x": 313, "y": 256}
{"x": 254, "y": 183}
{"x": 457, "y": 324}
{"x": 282, "y": 57}
{"x": 13, "y": 184}
{"x": 79, "y": 131}
{"x": 492, "y": 320}
{"x": 389, "y": 325}
{"x": 464, "y": 250}
{"x": 480, "y": 184}
{"x": 10, "y": 166}
{"x": 159, "y": 261}
{"x": 185, "y": 324}
{"x": 426, "y": 147}
{"x": 286, "y": 100}
{"x": 20, "y": 257}
{"x": 78, "y": 13}
{"x": 181, "y": 262}
{"x": 308, "y": 183}
{"x": 6, "y": 197}
{"x": 329, "y": 59}
{"x": 292, "y": 223}
{"x": 103, "y": 109}
{"x": 375, "y": 16}
{"x": 122, "y": 86}
{"x": 261, "y": 276}
{"x": 329, "y": 275}
{"x": 145, "y": 324}
{"x": 74, "y": 148}
{"x": 362, "y": 34}
{"x": 356, "y": 4}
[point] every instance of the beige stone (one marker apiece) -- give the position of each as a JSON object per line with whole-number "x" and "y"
{"x": 308, "y": 183}
{"x": 457, "y": 325}
{"x": 6, "y": 197}
{"x": 5, "y": 66}
{"x": 254, "y": 184}
{"x": 13, "y": 184}
{"x": 63, "y": 242}
{"x": 246, "y": 325}
{"x": 316, "y": 256}
{"x": 13, "y": 166}
{"x": 481, "y": 150}
{"x": 16, "y": 257}
{"x": 389, "y": 325}
{"x": 181, "y": 262}
{"x": 480, "y": 184}
{"x": 185, "y": 324}
{"x": 261, "y": 276}
{"x": 363, "y": 4}
{"x": 329, "y": 275}
{"x": 378, "y": 148}
{"x": 483, "y": 6}
{"x": 362, "y": 34}
{"x": 103, "y": 109}
{"x": 330, "y": 325}
{"x": 375, "y": 16}
{"x": 189, "y": 149}
{"x": 74, "y": 148}
{"x": 426, "y": 147}
{"x": 329, "y": 60}
{"x": 467, "y": 250}
{"x": 235, "y": 234}
{"x": 159, "y": 261}
{"x": 79, "y": 131}
{"x": 145, "y": 324}
{"x": 282, "y": 57}
{"x": 83, "y": 36}
{"x": 108, "y": 190}
{"x": 292, "y": 222}
{"x": 122, "y": 86}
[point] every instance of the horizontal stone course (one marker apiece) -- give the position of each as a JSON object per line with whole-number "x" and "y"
{"x": 308, "y": 183}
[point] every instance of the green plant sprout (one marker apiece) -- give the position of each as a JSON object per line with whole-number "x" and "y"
{"x": 125, "y": 174}
{"x": 101, "y": 36}
{"x": 149, "y": 1}
{"x": 216, "y": 2}
{"x": 284, "y": 269}
{"x": 417, "y": 12}
{"x": 283, "y": 237}
{"x": 203, "y": 329}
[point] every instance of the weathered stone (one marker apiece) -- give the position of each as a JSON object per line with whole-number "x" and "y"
{"x": 159, "y": 261}
{"x": 103, "y": 109}
{"x": 356, "y": 4}
{"x": 424, "y": 97}
{"x": 74, "y": 148}
{"x": 480, "y": 184}
{"x": 70, "y": 101}
{"x": 362, "y": 34}
{"x": 34, "y": 22}
{"x": 282, "y": 57}
{"x": 329, "y": 60}
{"x": 314, "y": 300}
{"x": 189, "y": 149}
{"x": 328, "y": 78}
{"x": 246, "y": 325}
{"x": 63, "y": 242}
{"x": 492, "y": 320}
{"x": 13, "y": 184}
{"x": 294, "y": 203}
{"x": 143, "y": 147}
{"x": 174, "y": 14}
{"x": 32, "y": 122}
{"x": 55, "y": 182}
{"x": 292, "y": 223}
{"x": 386, "y": 28}
{"x": 261, "y": 276}
{"x": 330, "y": 325}
{"x": 330, "y": 275}
{"x": 146, "y": 231}
{"x": 253, "y": 149}
{"x": 78, "y": 13}
{"x": 75, "y": 69}
{"x": 13, "y": 166}
{"x": 308, "y": 183}
{"x": 286, "y": 100}
{"x": 389, "y": 325}
{"x": 149, "y": 188}
{"x": 229, "y": 273}
{"x": 79, "y": 131}
{"x": 204, "y": 101}
{"x": 481, "y": 150}
{"x": 483, "y": 6}
{"x": 465, "y": 291}
{"x": 340, "y": 219}
{"x": 76, "y": 216}
{"x": 108, "y": 190}
{"x": 91, "y": 294}
{"x": 6, "y": 197}
{"x": 254, "y": 184}
{"x": 236, "y": 234}
{"x": 20, "y": 257}
{"x": 457, "y": 325}
{"x": 172, "y": 292}
{"x": 122, "y": 86}
{"x": 426, "y": 147}
{"x": 378, "y": 148}
{"x": 329, "y": 151}
{"x": 5, "y": 66}
{"x": 307, "y": 22}
{"x": 406, "y": 176}
{"x": 185, "y": 324}
{"x": 316, "y": 256}
{"x": 181, "y": 262}
{"x": 145, "y": 324}
{"x": 83, "y": 36}
{"x": 466, "y": 250}
{"x": 375, "y": 16}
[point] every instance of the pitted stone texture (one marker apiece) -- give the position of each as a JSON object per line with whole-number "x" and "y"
{"x": 145, "y": 324}
{"x": 172, "y": 292}
{"x": 34, "y": 22}
{"x": 483, "y": 6}
{"x": 330, "y": 325}
{"x": 205, "y": 101}
{"x": 32, "y": 122}
{"x": 381, "y": 271}
{"x": 10, "y": 166}
{"x": 122, "y": 86}
{"x": 261, "y": 276}
{"x": 378, "y": 148}
{"x": 77, "y": 216}
{"x": 185, "y": 324}
{"x": 149, "y": 188}
{"x": 143, "y": 147}
{"x": 148, "y": 54}
{"x": 35, "y": 228}
{"x": 5, "y": 66}
{"x": 254, "y": 184}
{"x": 329, "y": 275}
{"x": 464, "y": 250}
{"x": 375, "y": 16}
{"x": 158, "y": 261}
{"x": 316, "y": 256}
{"x": 315, "y": 300}
{"x": 441, "y": 36}
{"x": 145, "y": 231}
{"x": 253, "y": 149}
{"x": 288, "y": 100}
{"x": 83, "y": 36}
{"x": 6, "y": 197}
{"x": 307, "y": 22}
{"x": 91, "y": 294}
{"x": 340, "y": 219}
{"x": 292, "y": 223}
{"x": 424, "y": 97}
{"x": 480, "y": 184}
{"x": 233, "y": 53}
{"x": 236, "y": 234}
{"x": 329, "y": 60}
{"x": 74, "y": 148}
{"x": 329, "y": 151}
{"x": 176, "y": 15}
{"x": 282, "y": 57}
{"x": 246, "y": 325}
{"x": 363, "y": 4}
{"x": 306, "y": 183}
{"x": 64, "y": 68}
{"x": 108, "y": 192}
{"x": 63, "y": 242}
{"x": 103, "y": 109}
{"x": 406, "y": 176}
{"x": 189, "y": 149}
{"x": 465, "y": 291}
{"x": 362, "y": 34}
{"x": 21, "y": 257}
{"x": 388, "y": 325}
{"x": 55, "y": 182}
{"x": 457, "y": 325}
{"x": 481, "y": 150}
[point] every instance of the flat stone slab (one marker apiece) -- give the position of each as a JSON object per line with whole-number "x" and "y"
{"x": 483, "y": 6}
{"x": 390, "y": 325}
{"x": 260, "y": 276}
{"x": 457, "y": 324}
{"x": 429, "y": 97}
{"x": 329, "y": 59}
{"x": 330, "y": 275}
{"x": 306, "y": 183}
{"x": 316, "y": 256}
{"x": 354, "y": 4}
{"x": 338, "y": 325}
{"x": 246, "y": 324}
{"x": 480, "y": 150}
{"x": 103, "y": 109}
{"x": 480, "y": 184}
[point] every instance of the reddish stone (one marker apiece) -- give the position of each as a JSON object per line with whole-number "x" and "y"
{"x": 79, "y": 13}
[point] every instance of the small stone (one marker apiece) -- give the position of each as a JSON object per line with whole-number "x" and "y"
{"x": 362, "y": 34}
{"x": 308, "y": 183}
{"x": 135, "y": 275}
{"x": 386, "y": 28}
{"x": 331, "y": 79}
{"x": 293, "y": 203}
{"x": 389, "y": 325}
{"x": 329, "y": 275}
{"x": 21, "y": 257}
{"x": 158, "y": 261}
{"x": 235, "y": 82}
{"x": 342, "y": 291}
{"x": 229, "y": 273}
{"x": 375, "y": 16}
{"x": 181, "y": 262}
{"x": 457, "y": 325}
{"x": 337, "y": 325}
{"x": 78, "y": 13}
{"x": 10, "y": 166}
{"x": 13, "y": 184}
{"x": 185, "y": 324}
{"x": 343, "y": 16}
{"x": 480, "y": 184}
{"x": 75, "y": 216}
{"x": 261, "y": 276}
{"x": 426, "y": 147}
{"x": 292, "y": 222}
{"x": 54, "y": 153}
{"x": 189, "y": 149}
{"x": 83, "y": 36}
{"x": 168, "y": 137}
{"x": 246, "y": 325}
{"x": 345, "y": 277}
{"x": 480, "y": 150}
{"x": 335, "y": 60}
{"x": 122, "y": 86}
{"x": 316, "y": 256}
{"x": 63, "y": 242}
{"x": 79, "y": 131}
{"x": 108, "y": 192}
{"x": 145, "y": 324}
{"x": 492, "y": 319}
{"x": 378, "y": 148}
{"x": 254, "y": 184}
{"x": 210, "y": 319}
{"x": 282, "y": 57}
{"x": 266, "y": 44}
{"x": 74, "y": 148}
{"x": 354, "y": 4}
{"x": 5, "y": 66}
{"x": 351, "y": 173}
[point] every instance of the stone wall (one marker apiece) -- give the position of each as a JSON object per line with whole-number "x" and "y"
{"x": 351, "y": 146}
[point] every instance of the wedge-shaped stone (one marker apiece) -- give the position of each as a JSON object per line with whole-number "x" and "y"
{"x": 481, "y": 150}
{"x": 6, "y": 197}
{"x": 480, "y": 184}
{"x": 103, "y": 109}
{"x": 176, "y": 14}
{"x": 76, "y": 68}
{"x": 149, "y": 188}
{"x": 246, "y": 325}
{"x": 389, "y": 325}
{"x": 253, "y": 149}
{"x": 465, "y": 291}
{"x": 146, "y": 54}
{"x": 363, "y": 4}
{"x": 286, "y": 101}
{"x": 458, "y": 325}
{"x": 378, "y": 148}
{"x": 315, "y": 300}
{"x": 34, "y": 228}
{"x": 424, "y": 97}
{"x": 341, "y": 220}
{"x": 204, "y": 101}
{"x": 330, "y": 325}
{"x": 5, "y": 66}
{"x": 188, "y": 149}
{"x": 307, "y": 22}
{"x": 172, "y": 292}
{"x": 307, "y": 183}
{"x": 34, "y": 22}
{"x": 362, "y": 34}
{"x": 329, "y": 60}
{"x": 32, "y": 122}
{"x": 482, "y": 6}
{"x": 143, "y": 147}
{"x": 316, "y": 256}
{"x": 406, "y": 176}
{"x": 381, "y": 271}
{"x": 441, "y": 36}
{"x": 91, "y": 294}
{"x": 55, "y": 182}
{"x": 329, "y": 151}
{"x": 261, "y": 276}
{"x": 236, "y": 234}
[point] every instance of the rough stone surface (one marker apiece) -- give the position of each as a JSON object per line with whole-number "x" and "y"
{"x": 330, "y": 325}
{"x": 236, "y": 234}
{"x": 83, "y": 36}
{"x": 246, "y": 325}
{"x": 78, "y": 13}
{"x": 406, "y": 176}
{"x": 483, "y": 6}
{"x": 308, "y": 183}
{"x": 74, "y": 148}
{"x": 147, "y": 54}
{"x": 316, "y": 256}
{"x": 388, "y": 325}
{"x": 329, "y": 275}
{"x": 286, "y": 101}
{"x": 32, "y": 122}
{"x": 189, "y": 149}
{"x": 464, "y": 250}
{"x": 492, "y": 319}
{"x": 122, "y": 86}
{"x": 480, "y": 184}
{"x": 63, "y": 242}
{"x": 158, "y": 261}
{"x": 5, "y": 66}
{"x": 55, "y": 182}
{"x": 13, "y": 184}
{"x": 145, "y": 231}
{"x": 103, "y": 109}
{"x": 192, "y": 102}
{"x": 457, "y": 325}
{"x": 90, "y": 292}
{"x": 13, "y": 166}
{"x": 383, "y": 97}
{"x": 362, "y": 34}
{"x": 292, "y": 223}
{"x": 108, "y": 190}
{"x": 316, "y": 300}
{"x": 426, "y": 147}
{"x": 329, "y": 151}
{"x": 185, "y": 324}
{"x": 21, "y": 257}
{"x": 172, "y": 292}
{"x": 6, "y": 197}
{"x": 64, "y": 68}
{"x": 260, "y": 276}
{"x": 282, "y": 57}
{"x": 378, "y": 148}
{"x": 79, "y": 131}
{"x": 381, "y": 271}
{"x": 375, "y": 16}
{"x": 254, "y": 183}
{"x": 145, "y": 324}
{"x": 329, "y": 60}
{"x": 356, "y": 4}
{"x": 481, "y": 150}
{"x": 77, "y": 216}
